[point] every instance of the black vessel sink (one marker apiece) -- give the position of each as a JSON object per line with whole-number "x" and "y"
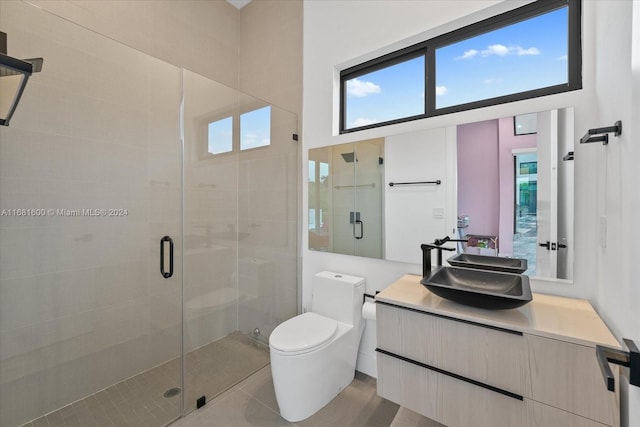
{"x": 493, "y": 263}
{"x": 479, "y": 288}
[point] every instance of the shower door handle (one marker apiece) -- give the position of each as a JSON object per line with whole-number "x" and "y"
{"x": 163, "y": 241}
{"x": 358, "y": 222}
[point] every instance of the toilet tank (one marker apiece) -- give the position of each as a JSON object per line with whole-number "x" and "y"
{"x": 338, "y": 296}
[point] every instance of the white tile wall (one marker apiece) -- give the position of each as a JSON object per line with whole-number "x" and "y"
{"x": 76, "y": 293}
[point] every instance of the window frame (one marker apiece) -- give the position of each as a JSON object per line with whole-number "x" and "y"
{"x": 386, "y": 61}
{"x": 428, "y": 49}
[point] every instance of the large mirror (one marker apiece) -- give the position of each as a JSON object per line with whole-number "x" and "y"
{"x": 504, "y": 185}
{"x": 346, "y": 198}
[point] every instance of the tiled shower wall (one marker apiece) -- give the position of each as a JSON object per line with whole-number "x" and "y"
{"x": 82, "y": 303}
{"x": 257, "y": 49}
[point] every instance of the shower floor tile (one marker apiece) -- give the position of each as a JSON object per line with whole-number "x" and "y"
{"x": 139, "y": 401}
{"x": 248, "y": 401}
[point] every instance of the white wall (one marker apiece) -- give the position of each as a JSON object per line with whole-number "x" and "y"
{"x": 634, "y": 393}
{"x": 339, "y": 34}
{"x": 616, "y": 171}
{"x": 410, "y": 217}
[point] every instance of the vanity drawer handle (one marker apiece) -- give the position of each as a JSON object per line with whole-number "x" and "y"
{"x": 454, "y": 319}
{"x": 452, "y": 375}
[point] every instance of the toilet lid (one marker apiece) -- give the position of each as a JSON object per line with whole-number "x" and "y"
{"x": 303, "y": 333}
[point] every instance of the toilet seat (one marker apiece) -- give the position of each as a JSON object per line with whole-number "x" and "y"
{"x": 303, "y": 334}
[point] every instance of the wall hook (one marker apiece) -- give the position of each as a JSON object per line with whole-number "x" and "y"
{"x": 601, "y": 134}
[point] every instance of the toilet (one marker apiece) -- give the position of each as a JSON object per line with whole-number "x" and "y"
{"x": 313, "y": 355}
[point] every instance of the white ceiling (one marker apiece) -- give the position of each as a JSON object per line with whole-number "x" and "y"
{"x": 239, "y": 3}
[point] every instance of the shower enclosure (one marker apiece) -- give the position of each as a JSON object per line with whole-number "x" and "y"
{"x": 148, "y": 236}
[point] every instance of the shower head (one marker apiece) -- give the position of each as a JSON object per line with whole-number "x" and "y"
{"x": 14, "y": 74}
{"x": 349, "y": 157}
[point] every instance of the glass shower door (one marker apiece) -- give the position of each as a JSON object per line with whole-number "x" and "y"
{"x": 90, "y": 182}
{"x": 240, "y": 233}
{"x": 369, "y": 188}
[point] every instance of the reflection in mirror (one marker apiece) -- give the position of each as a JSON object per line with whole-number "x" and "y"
{"x": 345, "y": 198}
{"x": 423, "y": 209}
{"x": 515, "y": 193}
{"x": 503, "y": 180}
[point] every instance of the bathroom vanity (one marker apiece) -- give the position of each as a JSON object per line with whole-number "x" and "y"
{"x": 534, "y": 366}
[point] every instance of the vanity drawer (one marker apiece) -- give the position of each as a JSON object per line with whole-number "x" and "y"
{"x": 444, "y": 399}
{"x": 541, "y": 415}
{"x": 567, "y": 376}
{"x": 492, "y": 356}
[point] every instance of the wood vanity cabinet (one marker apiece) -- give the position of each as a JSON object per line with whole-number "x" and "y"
{"x": 463, "y": 366}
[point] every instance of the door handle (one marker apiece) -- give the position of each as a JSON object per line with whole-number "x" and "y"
{"x": 166, "y": 274}
{"x": 562, "y": 246}
{"x": 545, "y": 245}
{"x": 361, "y": 229}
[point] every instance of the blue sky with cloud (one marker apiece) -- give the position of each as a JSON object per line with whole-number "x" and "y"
{"x": 255, "y": 131}
{"x": 255, "y": 128}
{"x": 523, "y": 56}
{"x": 387, "y": 94}
{"x": 517, "y": 58}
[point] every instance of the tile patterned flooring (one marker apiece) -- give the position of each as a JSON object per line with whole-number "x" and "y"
{"x": 234, "y": 399}
{"x": 253, "y": 403}
{"x": 407, "y": 418}
{"x": 139, "y": 400}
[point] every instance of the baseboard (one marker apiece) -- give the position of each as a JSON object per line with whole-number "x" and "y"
{"x": 367, "y": 364}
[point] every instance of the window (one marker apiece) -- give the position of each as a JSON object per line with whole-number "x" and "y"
{"x": 512, "y": 59}
{"x": 528, "y": 168}
{"x": 245, "y": 131}
{"x": 525, "y": 124}
{"x": 255, "y": 128}
{"x": 531, "y": 51}
{"x": 319, "y": 195}
{"x": 403, "y": 94}
{"x": 220, "y": 136}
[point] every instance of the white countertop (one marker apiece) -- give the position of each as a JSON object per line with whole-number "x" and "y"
{"x": 573, "y": 320}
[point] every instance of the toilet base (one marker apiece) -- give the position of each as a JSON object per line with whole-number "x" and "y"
{"x": 305, "y": 383}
